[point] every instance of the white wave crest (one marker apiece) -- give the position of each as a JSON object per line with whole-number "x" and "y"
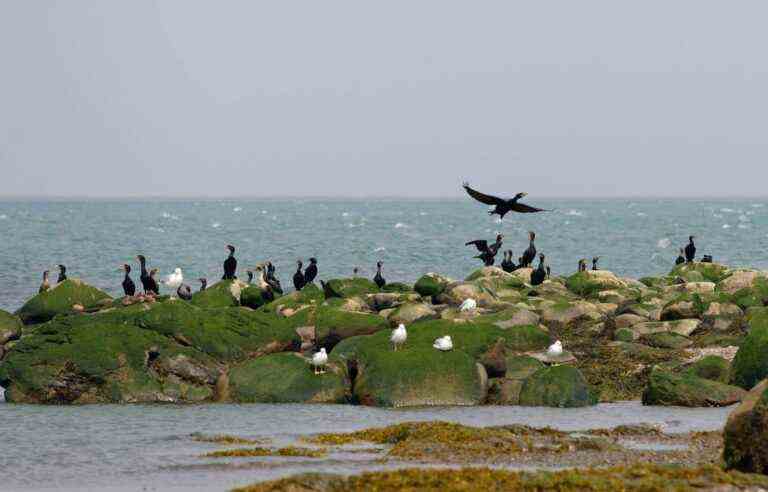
{"x": 400, "y": 225}
{"x": 168, "y": 215}
{"x": 642, "y": 214}
{"x": 379, "y": 249}
{"x": 663, "y": 243}
{"x": 3, "y": 216}
{"x": 575, "y": 213}
{"x": 726, "y": 226}
{"x": 743, "y": 226}
{"x": 757, "y": 205}
{"x": 237, "y": 209}
{"x": 216, "y": 225}
{"x": 727, "y": 210}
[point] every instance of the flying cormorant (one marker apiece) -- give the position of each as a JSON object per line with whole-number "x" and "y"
{"x": 129, "y": 288}
{"x": 311, "y": 271}
{"x": 487, "y": 252}
{"x": 507, "y": 264}
{"x": 594, "y": 263}
{"x": 184, "y": 292}
{"x": 203, "y": 283}
{"x": 298, "y": 277}
{"x": 148, "y": 283}
{"x": 690, "y": 250}
{"x": 529, "y": 254}
{"x": 230, "y": 264}
{"x": 540, "y": 274}
{"x": 502, "y": 206}
{"x": 62, "y": 274}
{"x": 378, "y": 279}
{"x": 680, "y": 258}
{"x": 46, "y": 285}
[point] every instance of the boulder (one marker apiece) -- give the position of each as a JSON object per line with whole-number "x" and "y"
{"x": 285, "y": 378}
{"x": 349, "y": 287}
{"x": 740, "y": 279}
{"x": 710, "y": 272}
{"x": 398, "y": 287}
{"x": 60, "y": 299}
{"x": 520, "y": 367}
{"x": 745, "y": 436}
{"x": 545, "y": 357}
{"x": 411, "y": 313}
{"x": 510, "y": 318}
{"x": 679, "y": 310}
{"x": 523, "y": 274}
{"x": 591, "y": 282}
{"x": 750, "y": 365}
{"x": 711, "y": 367}
{"x": 388, "y": 300}
{"x": 456, "y": 293}
{"x": 489, "y": 272}
{"x": 625, "y": 335}
{"x": 667, "y": 340}
{"x": 569, "y": 314}
{"x": 250, "y": 296}
{"x": 628, "y": 320}
{"x": 224, "y": 294}
{"x": 557, "y": 386}
{"x": 333, "y": 325}
{"x": 682, "y": 327}
{"x": 431, "y": 284}
{"x": 691, "y": 288}
{"x": 723, "y": 316}
{"x": 686, "y": 390}
{"x": 10, "y": 327}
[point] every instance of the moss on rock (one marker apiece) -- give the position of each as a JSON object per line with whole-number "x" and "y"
{"x": 687, "y": 390}
{"x": 750, "y": 365}
{"x": 431, "y": 284}
{"x": 10, "y": 327}
{"x": 333, "y": 324}
{"x": 60, "y": 299}
{"x": 557, "y": 386}
{"x": 746, "y": 433}
{"x": 285, "y": 378}
{"x": 349, "y": 287}
{"x": 711, "y": 367}
{"x": 219, "y": 295}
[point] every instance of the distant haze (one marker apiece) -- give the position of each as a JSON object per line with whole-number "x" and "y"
{"x": 397, "y": 98}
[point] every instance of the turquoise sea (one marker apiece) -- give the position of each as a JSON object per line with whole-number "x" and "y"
{"x": 93, "y": 238}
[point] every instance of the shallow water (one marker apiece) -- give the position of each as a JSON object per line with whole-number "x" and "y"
{"x": 412, "y": 237}
{"x": 148, "y": 447}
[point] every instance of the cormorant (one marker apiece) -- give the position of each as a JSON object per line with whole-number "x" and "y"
{"x": 582, "y": 265}
{"x": 378, "y": 279}
{"x": 203, "y": 283}
{"x": 298, "y": 277}
{"x": 250, "y": 276}
{"x": 680, "y": 258}
{"x": 690, "y": 250}
{"x": 706, "y": 259}
{"x": 153, "y": 286}
{"x": 502, "y": 206}
{"x": 507, "y": 264}
{"x": 529, "y": 254}
{"x": 549, "y": 272}
{"x": 45, "y": 286}
{"x": 355, "y": 272}
{"x": 261, "y": 280}
{"x": 487, "y": 252}
{"x": 594, "y": 263}
{"x": 148, "y": 284}
{"x": 184, "y": 292}
{"x": 311, "y": 271}
{"x": 129, "y": 288}
{"x": 230, "y": 264}
{"x": 540, "y": 274}
{"x": 62, "y": 274}
{"x": 272, "y": 280}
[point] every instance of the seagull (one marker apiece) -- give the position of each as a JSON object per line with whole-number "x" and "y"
{"x": 443, "y": 343}
{"x": 468, "y": 305}
{"x": 399, "y": 336}
{"x": 319, "y": 361}
{"x": 174, "y": 281}
{"x": 555, "y": 349}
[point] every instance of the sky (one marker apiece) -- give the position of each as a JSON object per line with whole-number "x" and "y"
{"x": 397, "y": 98}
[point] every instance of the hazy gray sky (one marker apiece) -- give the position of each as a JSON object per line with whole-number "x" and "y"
{"x": 261, "y": 98}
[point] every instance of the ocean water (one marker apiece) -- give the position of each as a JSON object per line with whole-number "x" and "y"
{"x": 412, "y": 237}
{"x": 149, "y": 447}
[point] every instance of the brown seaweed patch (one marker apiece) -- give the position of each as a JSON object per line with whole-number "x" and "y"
{"x": 255, "y": 452}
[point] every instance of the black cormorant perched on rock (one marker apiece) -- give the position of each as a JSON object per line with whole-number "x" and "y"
{"x": 680, "y": 258}
{"x": 378, "y": 279}
{"x": 539, "y": 274}
{"x": 249, "y": 273}
{"x": 549, "y": 272}
{"x": 502, "y": 206}
{"x": 582, "y": 265}
{"x": 153, "y": 286}
{"x": 690, "y": 250}
{"x": 487, "y": 252}
{"x": 230, "y": 264}
{"x": 147, "y": 283}
{"x": 184, "y": 292}
{"x": 529, "y": 254}
{"x": 272, "y": 279}
{"x": 355, "y": 272}
{"x": 129, "y": 288}
{"x": 46, "y": 285}
{"x": 298, "y": 277}
{"x": 62, "y": 274}
{"x": 594, "y": 263}
{"x": 706, "y": 259}
{"x": 507, "y": 264}
{"x": 203, "y": 283}
{"x": 261, "y": 280}
{"x": 311, "y": 271}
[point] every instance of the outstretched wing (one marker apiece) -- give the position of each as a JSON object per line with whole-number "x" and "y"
{"x": 526, "y": 209}
{"x": 482, "y": 197}
{"x": 480, "y": 244}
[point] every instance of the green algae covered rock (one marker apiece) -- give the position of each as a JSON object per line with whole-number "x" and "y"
{"x": 710, "y": 272}
{"x": 750, "y": 365}
{"x": 745, "y": 436}
{"x": 309, "y": 295}
{"x": 397, "y": 287}
{"x": 60, "y": 299}
{"x": 711, "y": 367}
{"x": 333, "y": 324}
{"x": 285, "y": 378}
{"x": 10, "y": 327}
{"x": 664, "y": 339}
{"x": 411, "y": 313}
{"x": 252, "y": 297}
{"x": 431, "y": 284}
{"x": 591, "y": 282}
{"x": 349, "y": 287}
{"x": 557, "y": 386}
{"x": 686, "y": 390}
{"x": 221, "y": 294}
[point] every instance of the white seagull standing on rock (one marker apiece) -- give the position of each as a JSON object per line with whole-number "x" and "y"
{"x": 444, "y": 343}
{"x": 555, "y": 349}
{"x": 174, "y": 281}
{"x": 468, "y": 305}
{"x": 319, "y": 361}
{"x": 399, "y": 336}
